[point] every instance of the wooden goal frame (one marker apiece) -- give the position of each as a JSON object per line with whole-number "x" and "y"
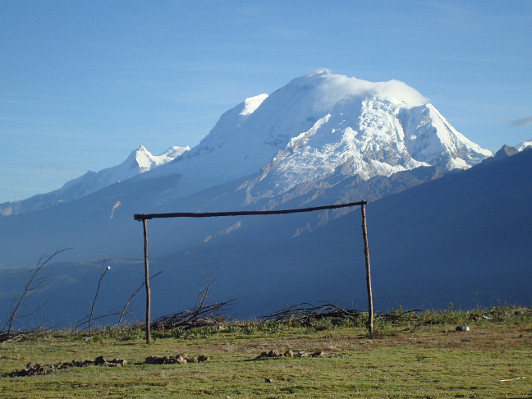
{"x": 145, "y": 217}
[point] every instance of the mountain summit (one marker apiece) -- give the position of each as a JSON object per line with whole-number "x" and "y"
{"x": 321, "y": 123}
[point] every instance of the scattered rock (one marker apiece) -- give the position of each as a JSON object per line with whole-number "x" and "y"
{"x": 32, "y": 369}
{"x": 38, "y": 369}
{"x": 268, "y": 380}
{"x": 288, "y": 353}
{"x": 462, "y": 328}
{"x": 78, "y": 363}
{"x": 100, "y": 360}
{"x": 117, "y": 361}
{"x": 153, "y": 360}
{"x": 273, "y": 353}
{"x": 182, "y": 358}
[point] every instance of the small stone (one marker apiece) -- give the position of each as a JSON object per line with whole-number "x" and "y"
{"x": 193, "y": 360}
{"x": 203, "y": 358}
{"x": 152, "y": 360}
{"x": 268, "y": 380}
{"x": 119, "y": 361}
{"x": 180, "y": 360}
{"x": 273, "y": 353}
{"x": 318, "y": 354}
{"x": 100, "y": 360}
{"x": 462, "y": 328}
{"x": 289, "y": 353}
{"x": 302, "y": 354}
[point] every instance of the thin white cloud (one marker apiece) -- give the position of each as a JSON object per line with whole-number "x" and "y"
{"x": 526, "y": 121}
{"x": 521, "y": 122}
{"x": 51, "y": 166}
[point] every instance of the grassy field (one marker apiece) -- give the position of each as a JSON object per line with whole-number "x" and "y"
{"x": 409, "y": 356}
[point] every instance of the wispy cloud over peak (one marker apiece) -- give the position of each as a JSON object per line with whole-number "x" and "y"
{"x": 526, "y": 121}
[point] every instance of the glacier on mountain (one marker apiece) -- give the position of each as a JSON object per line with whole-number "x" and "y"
{"x": 524, "y": 145}
{"x": 138, "y": 161}
{"x": 318, "y": 124}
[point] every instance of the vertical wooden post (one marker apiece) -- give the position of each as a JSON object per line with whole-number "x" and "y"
{"x": 147, "y": 283}
{"x": 368, "y": 268}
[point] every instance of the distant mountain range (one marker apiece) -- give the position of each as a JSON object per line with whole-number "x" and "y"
{"x": 434, "y": 217}
{"x": 139, "y": 161}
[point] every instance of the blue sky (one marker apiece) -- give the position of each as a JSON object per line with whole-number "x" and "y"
{"x": 83, "y": 83}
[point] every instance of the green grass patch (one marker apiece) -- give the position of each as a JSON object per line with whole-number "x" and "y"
{"x": 411, "y": 355}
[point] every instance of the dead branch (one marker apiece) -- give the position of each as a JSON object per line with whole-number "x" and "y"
{"x": 133, "y": 295}
{"x": 399, "y": 316}
{"x": 105, "y": 270}
{"x": 83, "y": 324}
{"x": 22, "y": 334}
{"x": 32, "y": 284}
{"x": 207, "y": 315}
{"x": 305, "y": 313}
{"x": 200, "y": 315}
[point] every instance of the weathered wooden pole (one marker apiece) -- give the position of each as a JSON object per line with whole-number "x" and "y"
{"x": 368, "y": 268}
{"x": 147, "y": 283}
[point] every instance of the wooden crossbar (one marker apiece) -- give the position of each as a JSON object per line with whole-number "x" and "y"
{"x": 143, "y": 216}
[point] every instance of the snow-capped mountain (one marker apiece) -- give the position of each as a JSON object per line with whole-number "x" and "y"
{"x": 317, "y": 126}
{"x": 321, "y": 123}
{"x": 524, "y": 145}
{"x": 139, "y": 161}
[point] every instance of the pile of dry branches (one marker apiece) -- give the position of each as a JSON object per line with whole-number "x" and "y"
{"x": 304, "y": 313}
{"x": 200, "y": 315}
